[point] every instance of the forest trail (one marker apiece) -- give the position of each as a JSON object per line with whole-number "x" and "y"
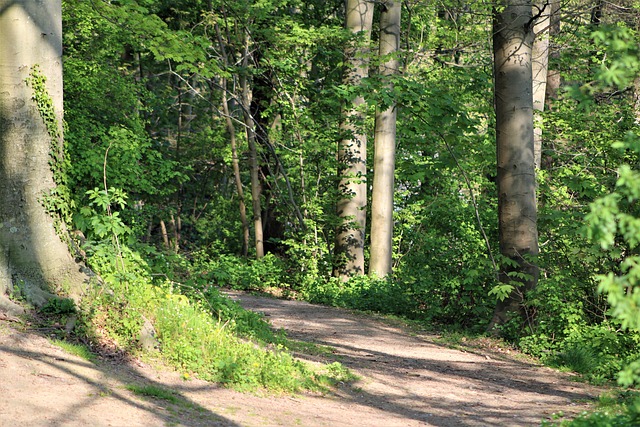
{"x": 407, "y": 379}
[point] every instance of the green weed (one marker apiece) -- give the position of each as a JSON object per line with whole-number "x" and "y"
{"x": 580, "y": 359}
{"x": 155, "y": 392}
{"x": 76, "y": 349}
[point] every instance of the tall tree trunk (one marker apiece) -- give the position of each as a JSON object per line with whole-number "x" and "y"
{"x": 235, "y": 161}
{"x": 517, "y": 213}
{"x": 236, "y": 169}
{"x": 540, "y": 66}
{"x": 165, "y": 234}
{"x": 553, "y": 75}
{"x": 385, "y": 147}
{"x": 256, "y": 187}
{"x": 31, "y": 253}
{"x": 352, "y": 149}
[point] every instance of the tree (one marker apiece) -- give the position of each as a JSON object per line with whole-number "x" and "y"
{"x": 553, "y": 75}
{"x": 385, "y": 146}
{"x": 250, "y": 125}
{"x": 516, "y": 180}
{"x": 33, "y": 257}
{"x": 352, "y": 148}
{"x": 540, "y": 67}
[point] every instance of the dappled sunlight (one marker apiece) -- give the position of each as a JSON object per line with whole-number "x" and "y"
{"x": 415, "y": 378}
{"x": 66, "y": 390}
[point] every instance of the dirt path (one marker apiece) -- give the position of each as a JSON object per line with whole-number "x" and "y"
{"x": 406, "y": 380}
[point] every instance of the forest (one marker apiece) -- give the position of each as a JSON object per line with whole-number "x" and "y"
{"x": 466, "y": 165}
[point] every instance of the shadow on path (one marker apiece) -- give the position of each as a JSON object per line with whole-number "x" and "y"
{"x": 414, "y": 378}
{"x": 48, "y": 387}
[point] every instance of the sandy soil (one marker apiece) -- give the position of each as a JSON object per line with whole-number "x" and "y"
{"x": 407, "y": 379}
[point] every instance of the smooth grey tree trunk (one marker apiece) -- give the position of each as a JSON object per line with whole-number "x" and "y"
{"x": 32, "y": 256}
{"x": 517, "y": 211}
{"x": 540, "y": 67}
{"x": 385, "y": 147}
{"x": 553, "y": 75}
{"x": 352, "y": 150}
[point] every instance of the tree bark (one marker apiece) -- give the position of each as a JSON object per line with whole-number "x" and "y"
{"x": 165, "y": 234}
{"x": 540, "y": 66}
{"x": 385, "y": 147}
{"x": 236, "y": 169}
{"x": 32, "y": 255}
{"x": 352, "y": 149}
{"x": 553, "y": 75}
{"x": 256, "y": 186}
{"x": 235, "y": 160}
{"x": 517, "y": 212}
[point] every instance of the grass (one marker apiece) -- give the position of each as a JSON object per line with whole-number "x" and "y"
{"x": 580, "y": 359}
{"x": 204, "y": 335}
{"x": 76, "y": 349}
{"x": 309, "y": 348}
{"x": 156, "y": 393}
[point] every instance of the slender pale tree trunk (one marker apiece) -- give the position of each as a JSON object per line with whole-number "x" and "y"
{"x": 553, "y": 75}
{"x": 32, "y": 255}
{"x": 517, "y": 212}
{"x": 165, "y": 234}
{"x": 250, "y": 126}
{"x": 385, "y": 147}
{"x": 352, "y": 149}
{"x": 235, "y": 161}
{"x": 540, "y": 67}
{"x": 236, "y": 169}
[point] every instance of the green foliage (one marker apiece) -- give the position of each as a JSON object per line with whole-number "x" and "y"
{"x": 57, "y": 202}
{"x": 59, "y": 306}
{"x": 620, "y": 50}
{"x": 362, "y": 293}
{"x": 98, "y": 220}
{"x": 238, "y": 273}
{"x": 613, "y": 224}
{"x": 597, "y": 352}
{"x": 571, "y": 323}
{"x": 37, "y": 81}
{"x": 614, "y": 411}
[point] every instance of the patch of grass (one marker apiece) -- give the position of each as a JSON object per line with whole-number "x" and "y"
{"x": 196, "y": 329}
{"x": 79, "y": 350}
{"x": 193, "y": 340}
{"x": 580, "y": 359}
{"x": 309, "y": 348}
{"x": 156, "y": 393}
{"x": 339, "y": 373}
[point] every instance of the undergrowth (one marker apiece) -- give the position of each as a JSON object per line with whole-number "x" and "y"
{"x": 195, "y": 329}
{"x": 613, "y": 410}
